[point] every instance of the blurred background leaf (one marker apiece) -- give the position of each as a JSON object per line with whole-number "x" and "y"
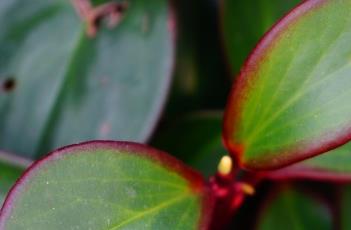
{"x": 11, "y": 167}
{"x": 345, "y": 204}
{"x": 200, "y": 80}
{"x": 61, "y": 87}
{"x": 194, "y": 138}
{"x": 292, "y": 209}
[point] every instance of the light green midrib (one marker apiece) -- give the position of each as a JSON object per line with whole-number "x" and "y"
{"x": 262, "y": 117}
{"x": 150, "y": 211}
{"x": 185, "y": 214}
{"x": 80, "y": 37}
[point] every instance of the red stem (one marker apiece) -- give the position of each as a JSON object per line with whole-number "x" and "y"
{"x": 229, "y": 193}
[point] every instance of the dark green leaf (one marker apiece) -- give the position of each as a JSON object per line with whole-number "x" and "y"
{"x": 11, "y": 167}
{"x": 8, "y": 176}
{"x": 107, "y": 185}
{"x": 244, "y": 23}
{"x": 293, "y": 210}
{"x": 200, "y": 80}
{"x": 292, "y": 99}
{"x": 195, "y": 138}
{"x": 345, "y": 208}
{"x": 67, "y": 87}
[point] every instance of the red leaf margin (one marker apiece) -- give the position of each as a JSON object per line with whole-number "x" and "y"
{"x": 195, "y": 179}
{"x": 302, "y": 150}
{"x": 304, "y": 172}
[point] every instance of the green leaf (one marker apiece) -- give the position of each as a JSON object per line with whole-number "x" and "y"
{"x": 8, "y": 176}
{"x": 11, "y": 168}
{"x": 294, "y": 210}
{"x": 200, "y": 78}
{"x": 195, "y": 138}
{"x": 334, "y": 165}
{"x": 244, "y": 23}
{"x": 291, "y": 100}
{"x": 345, "y": 207}
{"x": 107, "y": 185}
{"x": 67, "y": 87}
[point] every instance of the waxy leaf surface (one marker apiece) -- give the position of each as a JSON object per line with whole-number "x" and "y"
{"x": 62, "y": 87}
{"x": 106, "y": 185}
{"x": 292, "y": 98}
{"x": 293, "y": 210}
{"x": 245, "y": 22}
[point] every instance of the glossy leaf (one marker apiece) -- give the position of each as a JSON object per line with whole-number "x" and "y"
{"x": 195, "y": 138}
{"x": 106, "y": 185}
{"x": 67, "y": 87}
{"x": 291, "y": 100}
{"x": 334, "y": 165}
{"x": 293, "y": 210}
{"x": 245, "y": 22}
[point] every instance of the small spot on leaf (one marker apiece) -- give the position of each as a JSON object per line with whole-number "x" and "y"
{"x": 105, "y": 129}
{"x": 9, "y": 84}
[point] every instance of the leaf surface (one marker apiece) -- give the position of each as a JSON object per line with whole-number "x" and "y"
{"x": 107, "y": 185}
{"x": 67, "y": 87}
{"x": 334, "y": 165}
{"x": 245, "y": 22}
{"x": 293, "y": 210}
{"x": 291, "y": 100}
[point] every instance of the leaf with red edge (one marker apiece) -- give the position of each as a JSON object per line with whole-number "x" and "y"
{"x": 333, "y": 166}
{"x": 292, "y": 98}
{"x": 107, "y": 185}
{"x": 245, "y": 22}
{"x": 291, "y": 209}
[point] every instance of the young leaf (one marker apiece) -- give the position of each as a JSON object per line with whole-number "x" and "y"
{"x": 107, "y": 185}
{"x": 244, "y": 23}
{"x": 293, "y": 210}
{"x": 195, "y": 138}
{"x": 62, "y": 86}
{"x": 334, "y": 165}
{"x": 291, "y": 100}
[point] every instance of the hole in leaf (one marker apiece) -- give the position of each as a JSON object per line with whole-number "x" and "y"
{"x": 9, "y": 84}
{"x": 120, "y": 8}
